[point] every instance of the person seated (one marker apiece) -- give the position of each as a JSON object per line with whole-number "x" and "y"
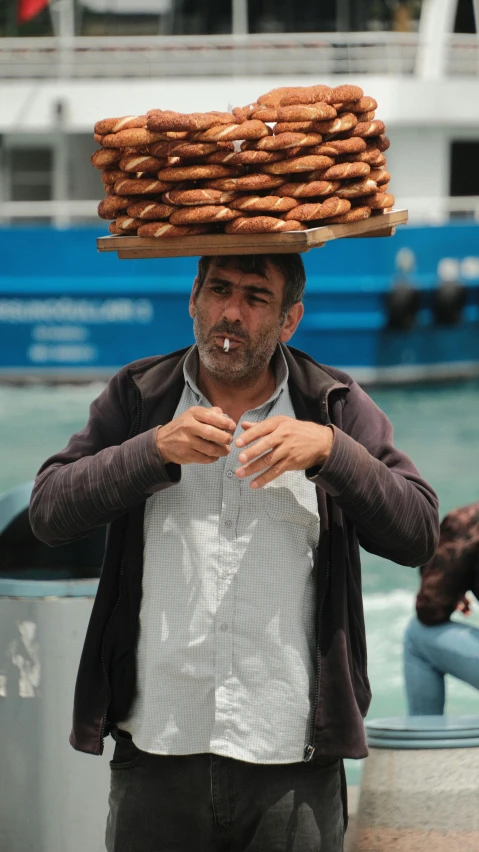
{"x": 433, "y": 644}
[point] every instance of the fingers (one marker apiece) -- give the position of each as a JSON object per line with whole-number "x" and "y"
{"x": 274, "y": 471}
{"x": 213, "y": 435}
{"x": 214, "y": 417}
{"x": 264, "y": 445}
{"x": 209, "y": 448}
{"x": 253, "y": 431}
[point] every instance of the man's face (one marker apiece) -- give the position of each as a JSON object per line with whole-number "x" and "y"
{"x": 244, "y": 308}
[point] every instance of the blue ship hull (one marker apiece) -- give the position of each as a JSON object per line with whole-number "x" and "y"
{"x": 70, "y": 313}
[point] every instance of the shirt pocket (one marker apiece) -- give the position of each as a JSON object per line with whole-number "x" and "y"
{"x": 296, "y": 506}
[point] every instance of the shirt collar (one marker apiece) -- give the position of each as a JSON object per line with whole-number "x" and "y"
{"x": 190, "y": 371}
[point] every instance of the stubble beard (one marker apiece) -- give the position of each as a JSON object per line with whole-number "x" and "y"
{"x": 239, "y": 367}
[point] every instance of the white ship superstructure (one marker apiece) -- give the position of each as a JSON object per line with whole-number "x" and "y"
{"x": 52, "y": 90}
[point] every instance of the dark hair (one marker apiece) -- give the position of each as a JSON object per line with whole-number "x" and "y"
{"x": 290, "y": 265}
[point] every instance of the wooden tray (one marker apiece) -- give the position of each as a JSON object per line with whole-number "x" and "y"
{"x": 383, "y": 225}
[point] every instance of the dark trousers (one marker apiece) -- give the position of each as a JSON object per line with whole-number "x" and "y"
{"x": 208, "y": 803}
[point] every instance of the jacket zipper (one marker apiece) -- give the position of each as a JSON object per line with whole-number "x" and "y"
{"x": 309, "y": 748}
{"x": 135, "y": 431}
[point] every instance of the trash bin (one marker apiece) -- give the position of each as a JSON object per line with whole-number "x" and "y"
{"x": 52, "y": 799}
{"x": 419, "y": 786}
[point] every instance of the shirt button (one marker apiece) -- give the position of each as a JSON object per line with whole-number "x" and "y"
{"x": 229, "y": 474}
{"x": 223, "y": 627}
{"x": 228, "y": 523}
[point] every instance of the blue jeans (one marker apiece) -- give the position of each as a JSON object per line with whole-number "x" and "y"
{"x": 208, "y": 803}
{"x": 432, "y": 652}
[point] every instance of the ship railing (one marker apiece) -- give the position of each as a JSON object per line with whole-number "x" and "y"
{"x": 66, "y": 213}
{"x": 278, "y": 54}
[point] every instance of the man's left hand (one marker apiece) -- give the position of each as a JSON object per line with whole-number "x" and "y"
{"x": 279, "y": 444}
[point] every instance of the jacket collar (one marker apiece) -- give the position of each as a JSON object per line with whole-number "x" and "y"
{"x": 160, "y": 382}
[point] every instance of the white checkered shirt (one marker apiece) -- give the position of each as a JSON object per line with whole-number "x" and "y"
{"x": 226, "y": 646}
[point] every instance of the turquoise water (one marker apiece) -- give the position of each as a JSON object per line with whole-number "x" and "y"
{"x": 437, "y": 425}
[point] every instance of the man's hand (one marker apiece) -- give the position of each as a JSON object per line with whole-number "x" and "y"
{"x": 199, "y": 435}
{"x": 282, "y": 443}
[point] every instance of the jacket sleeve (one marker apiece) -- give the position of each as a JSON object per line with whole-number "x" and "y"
{"x": 100, "y": 474}
{"x": 394, "y": 510}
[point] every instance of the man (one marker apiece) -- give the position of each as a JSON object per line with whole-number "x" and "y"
{"x": 435, "y": 646}
{"x": 226, "y": 649}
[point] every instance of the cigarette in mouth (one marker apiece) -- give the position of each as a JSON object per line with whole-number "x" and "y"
{"x": 226, "y": 345}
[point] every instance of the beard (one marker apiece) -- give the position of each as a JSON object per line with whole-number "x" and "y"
{"x": 241, "y": 366}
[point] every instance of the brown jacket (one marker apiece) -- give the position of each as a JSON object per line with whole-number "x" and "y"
{"x": 369, "y": 493}
{"x": 454, "y": 568}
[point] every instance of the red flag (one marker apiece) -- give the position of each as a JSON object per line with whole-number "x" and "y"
{"x": 28, "y": 9}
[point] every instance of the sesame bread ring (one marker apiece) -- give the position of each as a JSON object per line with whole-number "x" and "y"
{"x": 293, "y": 127}
{"x": 114, "y": 125}
{"x": 315, "y": 150}
{"x": 287, "y": 140}
{"x": 105, "y": 157}
{"x": 127, "y": 223}
{"x": 202, "y": 214}
{"x": 365, "y": 116}
{"x": 265, "y": 203}
{"x": 142, "y": 163}
{"x": 261, "y": 225}
{"x": 311, "y": 189}
{"x": 253, "y": 182}
{"x": 367, "y": 128}
{"x": 381, "y": 176}
{"x": 189, "y": 150}
{"x": 150, "y": 210}
{"x": 166, "y": 229}
{"x": 134, "y": 137}
{"x": 111, "y": 206}
{"x": 319, "y": 210}
{"x": 306, "y": 95}
{"x": 352, "y": 145}
{"x": 298, "y": 164}
{"x": 323, "y": 150}
{"x": 380, "y": 201}
{"x": 362, "y": 105}
{"x": 162, "y": 149}
{"x": 341, "y": 94}
{"x": 251, "y": 129}
{"x": 343, "y": 171}
{"x": 264, "y": 113}
{"x": 357, "y": 188}
{"x": 195, "y": 197}
{"x": 337, "y": 125}
{"x": 177, "y": 173}
{"x": 382, "y": 142}
{"x": 356, "y": 214}
{"x": 141, "y": 186}
{"x": 244, "y": 113}
{"x": 372, "y": 156}
{"x": 305, "y": 112}
{"x": 247, "y": 158}
{"x": 274, "y": 97}
{"x": 220, "y": 157}
{"x": 160, "y": 121}
{"x": 111, "y": 176}
{"x": 118, "y": 231}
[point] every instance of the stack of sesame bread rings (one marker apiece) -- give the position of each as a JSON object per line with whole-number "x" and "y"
{"x": 298, "y": 158}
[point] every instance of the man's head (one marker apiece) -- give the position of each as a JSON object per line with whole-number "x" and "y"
{"x": 255, "y": 301}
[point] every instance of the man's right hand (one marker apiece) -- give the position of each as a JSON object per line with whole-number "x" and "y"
{"x": 199, "y": 435}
